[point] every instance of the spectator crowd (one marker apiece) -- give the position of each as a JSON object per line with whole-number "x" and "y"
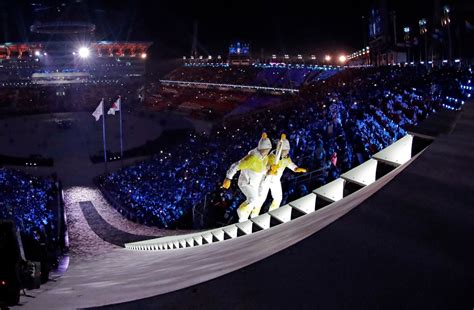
{"x": 28, "y": 201}
{"x": 335, "y": 124}
{"x": 267, "y": 75}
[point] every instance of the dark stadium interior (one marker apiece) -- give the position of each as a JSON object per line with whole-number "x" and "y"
{"x": 241, "y": 155}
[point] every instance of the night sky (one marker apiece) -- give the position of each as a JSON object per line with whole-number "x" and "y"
{"x": 293, "y": 26}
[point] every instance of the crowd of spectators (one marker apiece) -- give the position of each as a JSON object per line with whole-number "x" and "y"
{"x": 199, "y": 102}
{"x": 34, "y": 205}
{"x": 267, "y": 75}
{"x": 72, "y": 98}
{"x": 334, "y": 125}
{"x": 207, "y": 103}
{"x": 27, "y": 201}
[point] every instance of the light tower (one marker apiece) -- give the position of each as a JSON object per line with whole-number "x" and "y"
{"x": 406, "y": 30}
{"x": 424, "y": 32}
{"x": 446, "y": 23}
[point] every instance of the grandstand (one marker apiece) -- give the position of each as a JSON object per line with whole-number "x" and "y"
{"x": 275, "y": 76}
{"x": 59, "y": 63}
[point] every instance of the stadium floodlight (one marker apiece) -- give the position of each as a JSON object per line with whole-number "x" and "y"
{"x": 37, "y": 53}
{"x": 342, "y": 59}
{"x": 84, "y": 52}
{"x": 143, "y": 55}
{"x": 327, "y": 58}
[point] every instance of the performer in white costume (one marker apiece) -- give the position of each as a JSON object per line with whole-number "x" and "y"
{"x": 253, "y": 168}
{"x": 277, "y": 162}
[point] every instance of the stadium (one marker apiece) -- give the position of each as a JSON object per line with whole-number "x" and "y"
{"x": 144, "y": 147}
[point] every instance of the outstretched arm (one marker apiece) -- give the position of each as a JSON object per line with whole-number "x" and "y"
{"x": 295, "y": 168}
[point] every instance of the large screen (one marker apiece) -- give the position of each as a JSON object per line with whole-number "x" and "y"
{"x": 238, "y": 48}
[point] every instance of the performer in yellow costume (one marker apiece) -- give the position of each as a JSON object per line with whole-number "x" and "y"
{"x": 277, "y": 165}
{"x": 253, "y": 168}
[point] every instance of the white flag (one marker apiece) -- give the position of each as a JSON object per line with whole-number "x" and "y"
{"x": 115, "y": 107}
{"x": 99, "y": 110}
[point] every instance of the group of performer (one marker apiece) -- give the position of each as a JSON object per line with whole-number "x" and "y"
{"x": 260, "y": 172}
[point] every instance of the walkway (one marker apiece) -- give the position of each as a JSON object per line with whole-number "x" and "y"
{"x": 106, "y": 231}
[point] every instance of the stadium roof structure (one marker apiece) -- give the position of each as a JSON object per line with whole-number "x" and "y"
{"x": 113, "y": 48}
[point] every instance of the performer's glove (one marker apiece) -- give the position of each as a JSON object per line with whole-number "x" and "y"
{"x": 273, "y": 170}
{"x": 300, "y": 170}
{"x": 226, "y": 184}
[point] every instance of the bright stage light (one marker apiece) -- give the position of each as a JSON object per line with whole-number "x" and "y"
{"x": 143, "y": 55}
{"x": 342, "y": 59}
{"x": 37, "y": 53}
{"x": 84, "y": 52}
{"x": 327, "y": 58}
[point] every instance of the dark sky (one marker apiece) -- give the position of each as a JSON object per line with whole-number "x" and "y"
{"x": 292, "y": 26}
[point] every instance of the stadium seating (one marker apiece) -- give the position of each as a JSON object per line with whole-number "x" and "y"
{"x": 350, "y": 116}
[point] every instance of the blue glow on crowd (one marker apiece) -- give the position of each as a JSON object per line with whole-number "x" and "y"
{"x": 333, "y": 125}
{"x": 25, "y": 199}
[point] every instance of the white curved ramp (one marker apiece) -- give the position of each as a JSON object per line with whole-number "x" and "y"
{"x": 163, "y": 265}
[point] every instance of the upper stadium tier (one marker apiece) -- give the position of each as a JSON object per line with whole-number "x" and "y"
{"x": 86, "y": 50}
{"x": 70, "y": 62}
{"x": 62, "y": 49}
{"x": 62, "y": 27}
{"x": 61, "y": 18}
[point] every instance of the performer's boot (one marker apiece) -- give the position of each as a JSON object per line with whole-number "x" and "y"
{"x": 243, "y": 212}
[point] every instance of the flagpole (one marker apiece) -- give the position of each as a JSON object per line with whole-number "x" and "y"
{"x": 103, "y": 135}
{"x": 121, "y": 132}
